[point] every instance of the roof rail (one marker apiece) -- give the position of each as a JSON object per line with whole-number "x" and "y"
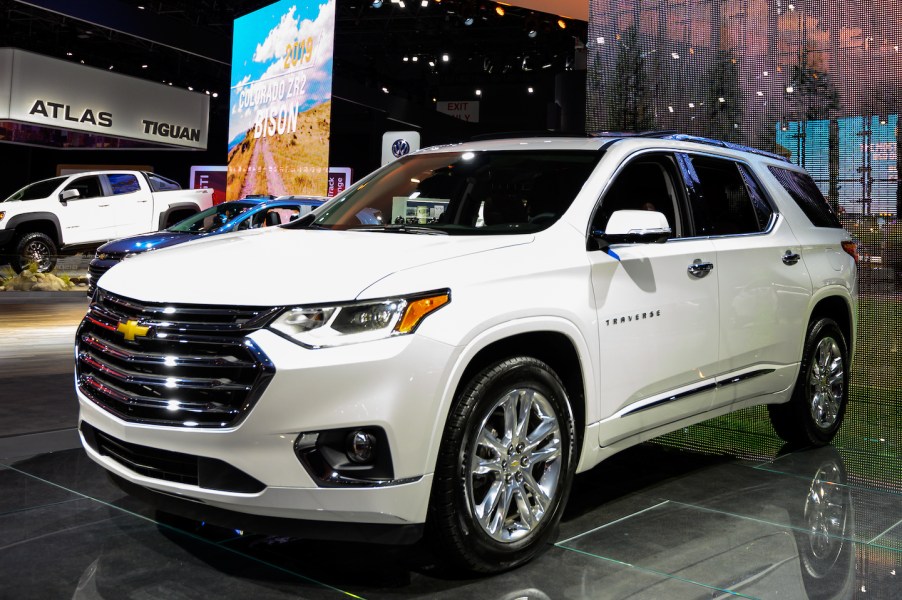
{"x": 525, "y": 134}
{"x": 682, "y": 137}
{"x": 628, "y": 134}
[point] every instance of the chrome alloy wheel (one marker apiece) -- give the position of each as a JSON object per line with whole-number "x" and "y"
{"x": 36, "y": 252}
{"x": 514, "y": 466}
{"x": 826, "y": 383}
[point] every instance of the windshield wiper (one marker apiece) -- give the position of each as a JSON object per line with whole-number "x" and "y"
{"x": 402, "y": 228}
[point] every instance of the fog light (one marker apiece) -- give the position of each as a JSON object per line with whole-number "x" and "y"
{"x": 361, "y": 446}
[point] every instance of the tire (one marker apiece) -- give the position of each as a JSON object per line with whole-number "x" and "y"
{"x": 491, "y": 457}
{"x": 37, "y": 248}
{"x": 815, "y": 412}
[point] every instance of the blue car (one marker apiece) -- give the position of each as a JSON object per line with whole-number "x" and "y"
{"x": 248, "y": 213}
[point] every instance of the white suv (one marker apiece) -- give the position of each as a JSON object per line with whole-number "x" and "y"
{"x": 443, "y": 346}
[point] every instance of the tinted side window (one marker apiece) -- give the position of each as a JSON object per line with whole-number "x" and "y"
{"x": 645, "y": 183}
{"x": 807, "y": 195}
{"x": 723, "y": 204}
{"x": 158, "y": 183}
{"x": 88, "y": 187}
{"x": 123, "y": 183}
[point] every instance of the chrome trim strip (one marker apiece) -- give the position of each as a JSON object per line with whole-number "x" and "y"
{"x": 703, "y": 388}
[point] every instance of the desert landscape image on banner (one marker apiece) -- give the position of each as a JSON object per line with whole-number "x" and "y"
{"x": 280, "y": 100}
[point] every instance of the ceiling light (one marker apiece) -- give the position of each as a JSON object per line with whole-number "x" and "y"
{"x": 532, "y": 33}
{"x": 424, "y": 3}
{"x": 215, "y": 94}
{"x": 479, "y": 92}
{"x": 415, "y": 58}
{"x": 405, "y": 59}
{"x": 562, "y": 23}
{"x": 674, "y": 55}
{"x": 790, "y": 89}
{"x": 692, "y": 105}
{"x": 600, "y": 40}
{"x": 401, "y": 4}
{"x": 111, "y": 67}
{"x": 499, "y": 10}
{"x": 143, "y": 66}
{"x": 385, "y": 89}
{"x": 468, "y": 21}
{"x": 529, "y": 90}
{"x": 68, "y": 54}
{"x": 670, "y": 108}
{"x": 140, "y": 7}
{"x": 445, "y": 58}
{"x": 721, "y": 99}
{"x": 765, "y": 73}
{"x": 377, "y": 3}
{"x": 760, "y": 93}
{"x": 190, "y": 89}
{"x": 431, "y": 63}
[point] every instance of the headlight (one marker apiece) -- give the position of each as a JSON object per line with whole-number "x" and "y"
{"x": 340, "y": 324}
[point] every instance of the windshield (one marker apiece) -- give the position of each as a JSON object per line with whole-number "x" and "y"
{"x": 38, "y": 190}
{"x": 468, "y": 193}
{"x": 213, "y": 218}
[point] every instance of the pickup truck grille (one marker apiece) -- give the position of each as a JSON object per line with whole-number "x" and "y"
{"x": 171, "y": 364}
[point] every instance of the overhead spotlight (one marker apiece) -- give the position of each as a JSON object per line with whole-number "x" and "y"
{"x": 385, "y": 90}
{"x": 499, "y": 10}
{"x": 883, "y": 120}
{"x": 468, "y": 21}
{"x": 424, "y": 3}
{"x": 415, "y": 58}
{"x": 111, "y": 67}
{"x": 790, "y": 89}
{"x": 532, "y": 33}
{"x": 140, "y": 7}
{"x": 562, "y": 23}
{"x": 190, "y": 89}
{"x": 529, "y": 90}
{"x": 670, "y": 108}
{"x": 479, "y": 92}
{"x": 445, "y": 58}
{"x": 600, "y": 40}
{"x": 405, "y": 59}
{"x": 692, "y": 105}
{"x": 215, "y": 94}
{"x": 674, "y": 56}
{"x": 721, "y": 99}
{"x": 143, "y": 66}
{"x": 402, "y": 4}
{"x": 759, "y": 93}
{"x": 68, "y": 54}
{"x": 377, "y": 3}
{"x": 431, "y": 63}
{"x": 765, "y": 73}
{"x": 207, "y": 92}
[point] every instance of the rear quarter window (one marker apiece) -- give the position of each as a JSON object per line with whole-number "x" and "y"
{"x": 802, "y": 189}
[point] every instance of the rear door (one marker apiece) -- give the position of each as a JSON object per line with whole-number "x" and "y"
{"x": 657, "y": 321}
{"x": 132, "y": 203}
{"x": 763, "y": 286}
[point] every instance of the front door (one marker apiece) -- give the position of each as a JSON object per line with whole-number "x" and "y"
{"x": 89, "y": 217}
{"x": 657, "y": 310}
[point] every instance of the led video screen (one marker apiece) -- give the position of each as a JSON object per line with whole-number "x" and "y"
{"x": 819, "y": 83}
{"x": 280, "y": 100}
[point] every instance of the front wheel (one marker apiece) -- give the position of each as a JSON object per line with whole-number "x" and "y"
{"x": 504, "y": 468}
{"x": 815, "y": 411}
{"x": 35, "y": 248}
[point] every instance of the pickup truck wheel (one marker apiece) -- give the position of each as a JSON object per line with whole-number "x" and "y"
{"x": 504, "y": 468}
{"x": 35, "y": 248}
{"x": 815, "y": 411}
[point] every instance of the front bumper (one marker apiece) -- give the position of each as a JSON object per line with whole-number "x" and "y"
{"x": 394, "y": 384}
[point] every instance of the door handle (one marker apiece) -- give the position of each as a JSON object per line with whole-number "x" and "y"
{"x": 102, "y": 205}
{"x": 142, "y": 201}
{"x": 790, "y": 258}
{"x": 699, "y": 269}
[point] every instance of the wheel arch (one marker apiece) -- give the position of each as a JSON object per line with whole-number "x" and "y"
{"x": 840, "y": 309}
{"x": 556, "y": 342}
{"x": 42, "y": 222}
{"x": 180, "y": 208}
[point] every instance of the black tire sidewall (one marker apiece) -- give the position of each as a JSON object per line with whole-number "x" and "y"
{"x": 819, "y": 330}
{"x": 477, "y": 399}
{"x": 17, "y": 260}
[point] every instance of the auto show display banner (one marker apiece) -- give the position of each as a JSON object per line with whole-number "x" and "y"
{"x": 281, "y": 100}
{"x": 56, "y": 94}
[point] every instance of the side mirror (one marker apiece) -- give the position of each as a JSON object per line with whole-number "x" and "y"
{"x": 633, "y": 227}
{"x": 69, "y": 195}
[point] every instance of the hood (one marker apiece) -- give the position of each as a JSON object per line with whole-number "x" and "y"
{"x": 286, "y": 266}
{"x": 147, "y": 241}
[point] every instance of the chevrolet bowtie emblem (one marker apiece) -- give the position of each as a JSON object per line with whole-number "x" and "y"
{"x": 131, "y": 329}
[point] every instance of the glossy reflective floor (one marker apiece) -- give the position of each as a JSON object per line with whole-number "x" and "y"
{"x": 716, "y": 510}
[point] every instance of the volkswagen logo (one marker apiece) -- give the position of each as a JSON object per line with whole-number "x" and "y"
{"x": 400, "y": 148}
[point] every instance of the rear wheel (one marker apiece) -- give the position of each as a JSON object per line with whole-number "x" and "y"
{"x": 818, "y": 404}
{"x": 505, "y": 467}
{"x": 37, "y": 248}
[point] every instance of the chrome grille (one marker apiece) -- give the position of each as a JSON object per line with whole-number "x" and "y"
{"x": 186, "y": 365}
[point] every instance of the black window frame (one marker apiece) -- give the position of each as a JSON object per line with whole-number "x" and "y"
{"x": 810, "y": 201}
